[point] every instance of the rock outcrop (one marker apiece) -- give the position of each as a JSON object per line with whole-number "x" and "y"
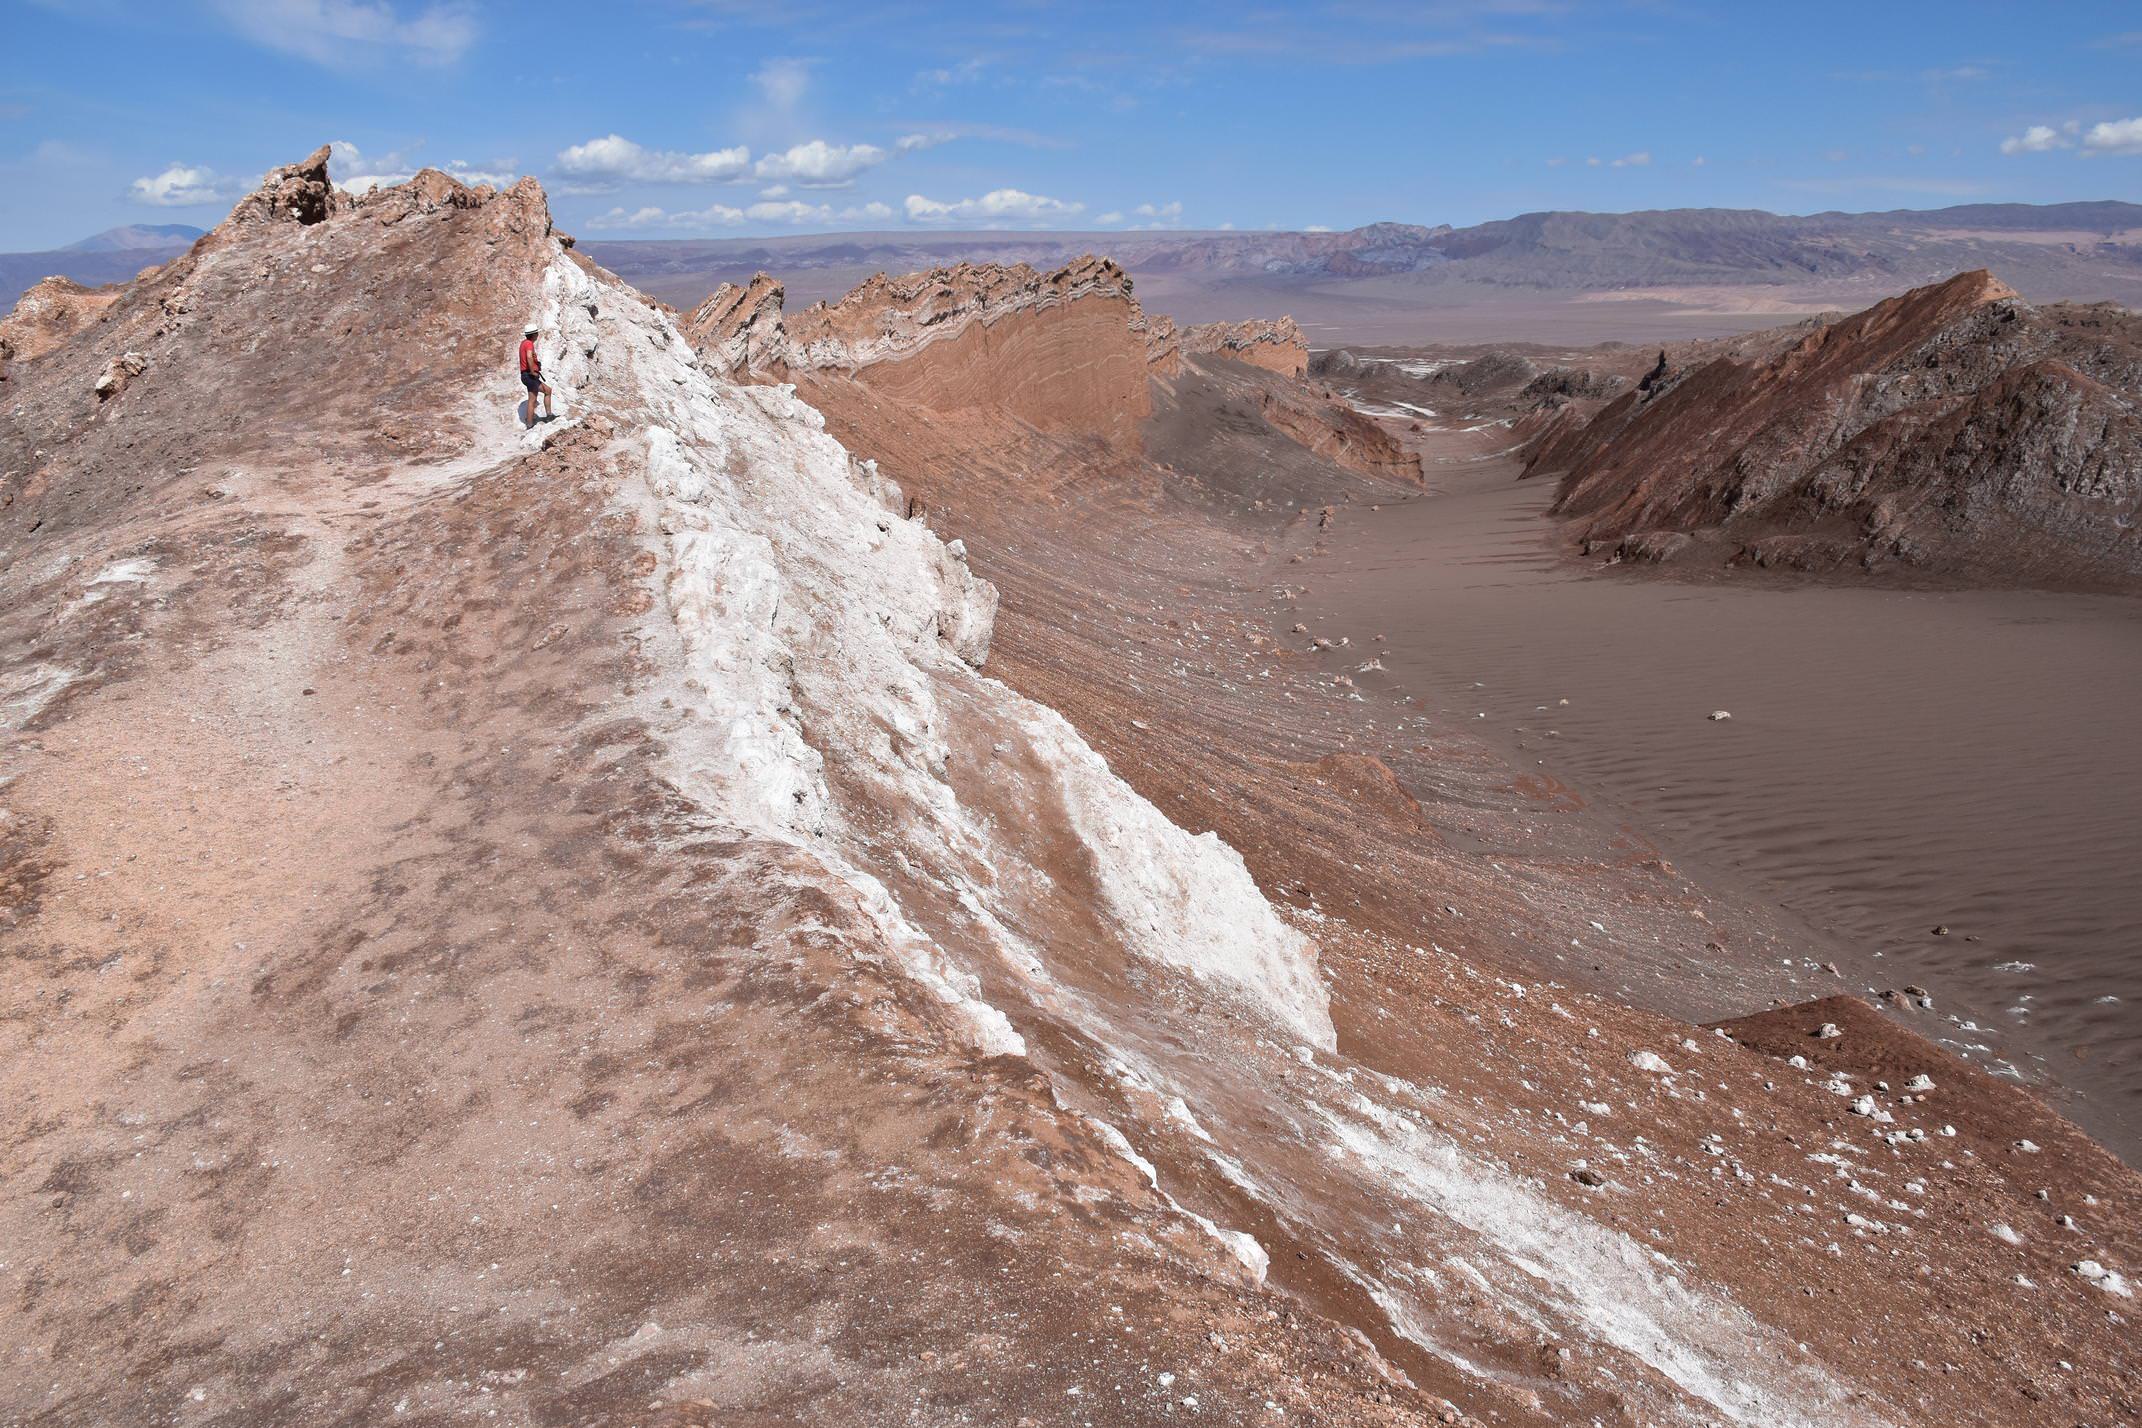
{"x": 1274, "y": 344}
{"x": 1330, "y": 427}
{"x": 1064, "y": 350}
{"x": 1954, "y": 430}
{"x": 47, "y": 315}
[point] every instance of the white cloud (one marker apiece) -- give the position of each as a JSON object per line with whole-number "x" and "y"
{"x": 1318, "y": 228}
{"x": 965, "y": 72}
{"x": 818, "y": 164}
{"x": 338, "y": 32}
{"x": 2118, "y": 136}
{"x": 1638, "y": 160}
{"x": 186, "y": 185}
{"x": 1698, "y": 162}
{"x": 792, "y": 214}
{"x": 778, "y": 190}
{"x": 793, "y": 211}
{"x": 1556, "y": 163}
{"x": 355, "y": 173}
{"x": 614, "y": 157}
{"x": 1112, "y": 216}
{"x": 911, "y": 143}
{"x": 2037, "y": 139}
{"x": 783, "y": 82}
{"x": 994, "y": 209}
{"x": 1159, "y": 211}
{"x": 1593, "y": 162}
{"x": 719, "y": 215}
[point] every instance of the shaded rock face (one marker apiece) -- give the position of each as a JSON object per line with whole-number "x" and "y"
{"x": 1331, "y": 428}
{"x": 1275, "y": 344}
{"x": 1954, "y": 429}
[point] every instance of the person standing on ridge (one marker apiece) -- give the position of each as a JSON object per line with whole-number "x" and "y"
{"x": 532, "y": 375}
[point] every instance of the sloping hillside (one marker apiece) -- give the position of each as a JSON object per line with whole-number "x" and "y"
{"x": 632, "y": 923}
{"x": 1954, "y": 430}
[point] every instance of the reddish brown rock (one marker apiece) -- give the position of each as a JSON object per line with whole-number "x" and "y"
{"x": 1274, "y": 344}
{"x": 1955, "y": 430}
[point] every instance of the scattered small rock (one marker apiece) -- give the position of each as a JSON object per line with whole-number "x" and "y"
{"x": 1719, "y": 715}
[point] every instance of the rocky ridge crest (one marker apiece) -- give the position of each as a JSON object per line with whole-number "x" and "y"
{"x": 746, "y": 331}
{"x": 1954, "y": 428}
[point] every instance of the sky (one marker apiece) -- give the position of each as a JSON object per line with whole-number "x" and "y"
{"x": 718, "y": 118}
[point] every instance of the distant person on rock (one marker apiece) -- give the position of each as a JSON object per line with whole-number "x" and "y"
{"x": 532, "y": 375}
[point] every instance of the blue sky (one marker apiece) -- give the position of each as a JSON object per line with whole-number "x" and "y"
{"x": 690, "y": 118}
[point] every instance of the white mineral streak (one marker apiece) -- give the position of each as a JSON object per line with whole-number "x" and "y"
{"x": 820, "y": 626}
{"x": 831, "y": 654}
{"x": 1560, "y": 1267}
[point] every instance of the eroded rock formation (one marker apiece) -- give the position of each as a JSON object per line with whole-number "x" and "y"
{"x": 1274, "y": 344}
{"x": 1955, "y": 430}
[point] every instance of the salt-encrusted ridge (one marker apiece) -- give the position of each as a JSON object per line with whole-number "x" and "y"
{"x": 823, "y": 627}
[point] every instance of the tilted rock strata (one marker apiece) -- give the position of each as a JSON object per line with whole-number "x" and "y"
{"x": 1332, "y": 429}
{"x": 1954, "y": 429}
{"x": 888, "y": 318}
{"x": 1275, "y": 344}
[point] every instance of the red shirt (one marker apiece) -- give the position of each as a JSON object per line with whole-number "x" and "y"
{"x": 529, "y": 361}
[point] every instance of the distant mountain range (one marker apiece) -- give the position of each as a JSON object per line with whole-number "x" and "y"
{"x": 135, "y": 236}
{"x": 112, "y": 256}
{"x": 1385, "y": 280}
{"x": 1558, "y": 275}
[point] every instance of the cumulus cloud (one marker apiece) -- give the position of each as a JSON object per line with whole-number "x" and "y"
{"x": 996, "y": 209}
{"x": 2117, "y": 136}
{"x": 186, "y": 185}
{"x": 794, "y": 214}
{"x": 718, "y": 215}
{"x": 2037, "y": 139}
{"x": 614, "y": 158}
{"x": 818, "y": 164}
{"x": 338, "y": 32}
{"x": 1638, "y": 160}
{"x": 1112, "y": 216}
{"x": 355, "y": 172}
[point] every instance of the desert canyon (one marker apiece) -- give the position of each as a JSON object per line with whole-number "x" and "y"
{"x": 965, "y": 851}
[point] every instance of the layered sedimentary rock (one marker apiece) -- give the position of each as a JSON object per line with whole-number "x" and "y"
{"x": 1955, "y": 430}
{"x": 1068, "y": 348}
{"x": 1274, "y": 344}
{"x": 1331, "y": 428}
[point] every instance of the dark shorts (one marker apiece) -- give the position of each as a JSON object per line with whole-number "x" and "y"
{"x": 531, "y": 380}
